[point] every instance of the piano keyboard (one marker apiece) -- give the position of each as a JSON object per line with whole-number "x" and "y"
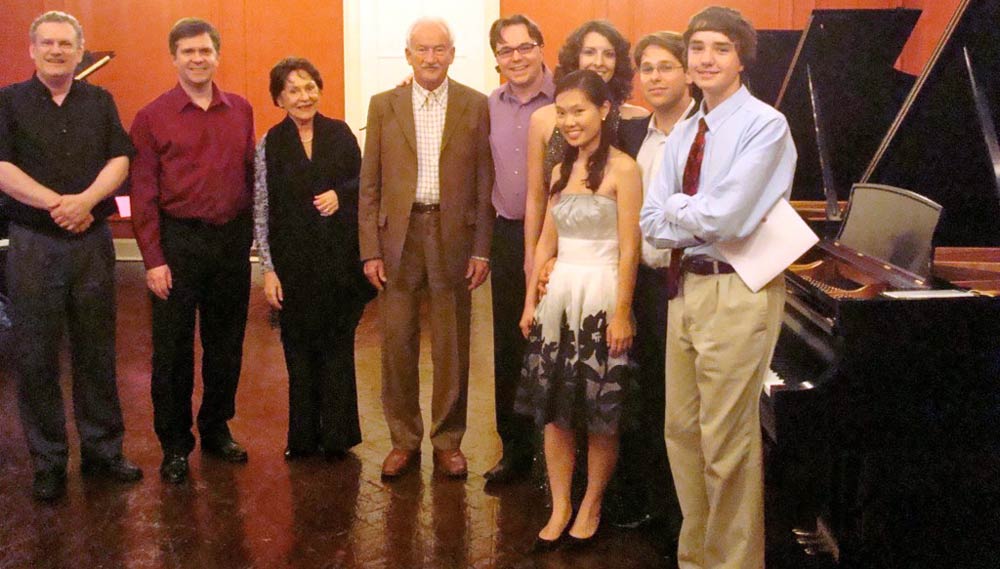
{"x": 773, "y": 382}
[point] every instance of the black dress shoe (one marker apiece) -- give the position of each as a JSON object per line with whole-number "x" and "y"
{"x": 335, "y": 454}
{"x": 174, "y": 468}
{"x": 119, "y": 469}
{"x": 508, "y": 469}
{"x": 576, "y": 543}
{"x": 542, "y": 545}
{"x": 49, "y": 485}
{"x": 296, "y": 454}
{"x": 226, "y": 449}
{"x": 573, "y": 542}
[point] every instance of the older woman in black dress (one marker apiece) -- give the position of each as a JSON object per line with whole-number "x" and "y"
{"x": 305, "y": 220}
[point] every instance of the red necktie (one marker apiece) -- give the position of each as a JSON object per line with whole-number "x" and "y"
{"x": 692, "y": 173}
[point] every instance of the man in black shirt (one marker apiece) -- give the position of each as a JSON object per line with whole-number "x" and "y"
{"x": 63, "y": 152}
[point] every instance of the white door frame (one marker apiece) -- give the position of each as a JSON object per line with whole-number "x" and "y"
{"x": 373, "y": 64}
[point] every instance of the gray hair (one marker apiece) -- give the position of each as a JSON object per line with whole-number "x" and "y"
{"x": 55, "y": 16}
{"x": 440, "y": 22}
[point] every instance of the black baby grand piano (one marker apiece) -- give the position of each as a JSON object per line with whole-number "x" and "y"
{"x": 840, "y": 94}
{"x": 884, "y": 407}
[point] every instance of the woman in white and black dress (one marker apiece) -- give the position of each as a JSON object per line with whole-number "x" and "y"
{"x": 577, "y": 369}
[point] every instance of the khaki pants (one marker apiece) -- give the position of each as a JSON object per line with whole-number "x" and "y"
{"x": 422, "y": 269}
{"x": 720, "y": 338}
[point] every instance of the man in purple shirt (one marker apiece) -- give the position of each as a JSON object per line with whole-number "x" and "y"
{"x": 517, "y": 43}
{"x": 192, "y": 183}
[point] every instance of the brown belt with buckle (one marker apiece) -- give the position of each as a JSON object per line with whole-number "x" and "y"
{"x": 425, "y": 207}
{"x": 705, "y": 265}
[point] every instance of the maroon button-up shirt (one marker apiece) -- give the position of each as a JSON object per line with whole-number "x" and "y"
{"x": 190, "y": 163}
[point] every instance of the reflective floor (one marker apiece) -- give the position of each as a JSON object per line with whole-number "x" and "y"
{"x": 270, "y": 513}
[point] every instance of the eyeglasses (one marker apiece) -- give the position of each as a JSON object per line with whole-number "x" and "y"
{"x": 523, "y": 49}
{"x": 663, "y": 68}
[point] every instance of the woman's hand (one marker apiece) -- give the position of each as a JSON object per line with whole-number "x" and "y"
{"x": 326, "y": 203}
{"x": 526, "y": 319}
{"x": 620, "y": 334}
{"x": 272, "y": 290}
{"x": 543, "y": 277}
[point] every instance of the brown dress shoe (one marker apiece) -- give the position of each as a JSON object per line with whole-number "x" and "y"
{"x": 398, "y": 462}
{"x": 451, "y": 462}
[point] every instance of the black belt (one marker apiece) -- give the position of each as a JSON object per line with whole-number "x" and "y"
{"x": 705, "y": 265}
{"x": 195, "y": 223}
{"x": 189, "y": 222}
{"x": 425, "y": 207}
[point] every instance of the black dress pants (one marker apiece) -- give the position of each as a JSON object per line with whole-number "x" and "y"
{"x": 57, "y": 283}
{"x": 643, "y": 483}
{"x": 210, "y": 268}
{"x": 507, "y": 282}
{"x": 322, "y": 388}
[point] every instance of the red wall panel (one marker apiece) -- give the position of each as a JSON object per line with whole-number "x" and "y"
{"x": 256, "y": 33}
{"x": 559, "y": 17}
{"x": 930, "y": 28}
{"x": 17, "y": 16}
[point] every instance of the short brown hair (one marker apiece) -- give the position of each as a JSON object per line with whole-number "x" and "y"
{"x": 56, "y": 17}
{"x": 670, "y": 41}
{"x": 729, "y": 22}
{"x": 192, "y": 27}
{"x": 516, "y": 20}
{"x": 284, "y": 68}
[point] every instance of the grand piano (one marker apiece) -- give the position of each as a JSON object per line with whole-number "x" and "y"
{"x": 840, "y": 94}
{"x": 884, "y": 409}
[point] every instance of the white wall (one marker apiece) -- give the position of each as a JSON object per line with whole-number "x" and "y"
{"x": 375, "y": 37}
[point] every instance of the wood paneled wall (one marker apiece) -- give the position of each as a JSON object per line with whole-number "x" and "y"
{"x": 638, "y": 17}
{"x": 256, "y": 33}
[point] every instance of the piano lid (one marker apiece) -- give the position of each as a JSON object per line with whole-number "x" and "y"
{"x": 775, "y": 50}
{"x": 841, "y": 94}
{"x": 943, "y": 144}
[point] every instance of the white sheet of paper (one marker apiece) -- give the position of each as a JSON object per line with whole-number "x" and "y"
{"x": 780, "y": 239}
{"x": 124, "y": 206}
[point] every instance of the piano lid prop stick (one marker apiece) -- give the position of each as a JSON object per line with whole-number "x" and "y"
{"x": 96, "y": 65}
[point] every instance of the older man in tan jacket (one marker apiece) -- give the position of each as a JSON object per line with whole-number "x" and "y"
{"x": 425, "y": 225}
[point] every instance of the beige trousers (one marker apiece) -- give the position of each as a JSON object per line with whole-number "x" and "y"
{"x": 720, "y": 339}
{"x": 422, "y": 270}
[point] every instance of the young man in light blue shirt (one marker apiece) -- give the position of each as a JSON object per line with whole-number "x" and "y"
{"x": 722, "y": 171}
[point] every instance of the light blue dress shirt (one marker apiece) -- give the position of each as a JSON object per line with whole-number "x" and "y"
{"x": 748, "y": 165}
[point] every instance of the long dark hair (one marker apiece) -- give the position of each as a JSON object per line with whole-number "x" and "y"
{"x": 598, "y": 92}
{"x": 569, "y": 57}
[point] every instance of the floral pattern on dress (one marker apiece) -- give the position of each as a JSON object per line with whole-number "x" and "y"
{"x": 571, "y": 380}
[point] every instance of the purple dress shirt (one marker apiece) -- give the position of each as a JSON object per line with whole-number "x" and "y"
{"x": 509, "y": 121}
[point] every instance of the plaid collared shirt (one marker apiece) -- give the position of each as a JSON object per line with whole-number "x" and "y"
{"x": 429, "y": 108}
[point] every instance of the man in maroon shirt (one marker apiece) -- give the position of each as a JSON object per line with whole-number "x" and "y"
{"x": 191, "y": 195}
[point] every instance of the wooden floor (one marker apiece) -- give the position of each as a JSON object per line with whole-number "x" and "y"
{"x": 269, "y": 513}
